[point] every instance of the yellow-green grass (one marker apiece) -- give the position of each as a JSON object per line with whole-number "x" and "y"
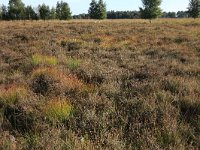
{"x": 58, "y": 109}
{"x": 51, "y": 71}
{"x": 12, "y": 94}
{"x": 73, "y": 63}
{"x": 38, "y": 59}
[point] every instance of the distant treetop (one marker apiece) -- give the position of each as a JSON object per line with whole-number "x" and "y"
{"x": 151, "y": 9}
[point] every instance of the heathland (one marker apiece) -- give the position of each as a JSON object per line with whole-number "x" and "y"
{"x": 118, "y": 84}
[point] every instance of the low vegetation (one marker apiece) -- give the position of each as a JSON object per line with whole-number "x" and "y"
{"x": 45, "y": 60}
{"x": 120, "y": 84}
{"x": 57, "y": 110}
{"x": 11, "y": 94}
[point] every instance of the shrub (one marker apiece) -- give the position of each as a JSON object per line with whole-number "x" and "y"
{"x": 72, "y": 82}
{"x": 42, "y": 80}
{"x": 53, "y": 81}
{"x": 19, "y": 118}
{"x": 11, "y": 94}
{"x": 58, "y": 110}
{"x": 97, "y": 40}
{"x": 72, "y": 45}
{"x": 90, "y": 78}
{"x": 46, "y": 60}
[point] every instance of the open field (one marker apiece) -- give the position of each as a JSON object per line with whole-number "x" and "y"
{"x": 120, "y": 84}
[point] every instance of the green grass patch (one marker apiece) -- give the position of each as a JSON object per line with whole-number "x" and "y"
{"x": 58, "y": 110}
{"x": 73, "y": 63}
{"x": 45, "y": 60}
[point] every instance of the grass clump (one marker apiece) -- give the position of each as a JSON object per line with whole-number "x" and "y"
{"x": 13, "y": 93}
{"x": 43, "y": 79}
{"x": 171, "y": 85}
{"x": 32, "y": 141}
{"x": 42, "y": 59}
{"x": 58, "y": 110}
{"x": 73, "y": 64}
{"x": 48, "y": 80}
{"x": 165, "y": 139}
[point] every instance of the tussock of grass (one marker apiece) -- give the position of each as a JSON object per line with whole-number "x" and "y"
{"x": 58, "y": 110}
{"x": 73, "y": 63}
{"x": 12, "y": 93}
{"x": 38, "y": 59}
{"x": 51, "y": 80}
{"x": 45, "y": 71}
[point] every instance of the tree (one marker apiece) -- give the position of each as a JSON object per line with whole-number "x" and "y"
{"x": 16, "y": 9}
{"x": 123, "y": 14}
{"x": 4, "y": 12}
{"x": 151, "y": 9}
{"x": 81, "y": 16}
{"x": 93, "y": 10}
{"x": 101, "y": 10}
{"x": 97, "y": 10}
{"x": 44, "y": 11}
{"x": 58, "y": 10}
{"x": 182, "y": 14}
{"x": 53, "y": 13}
{"x": 30, "y": 14}
{"x": 169, "y": 15}
{"x": 0, "y": 13}
{"x": 63, "y": 11}
{"x": 194, "y": 8}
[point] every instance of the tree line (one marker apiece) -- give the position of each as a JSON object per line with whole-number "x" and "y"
{"x": 16, "y": 10}
{"x": 134, "y": 15}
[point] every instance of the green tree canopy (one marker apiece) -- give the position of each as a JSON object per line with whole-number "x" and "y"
{"x": 194, "y": 8}
{"x": 53, "y": 13}
{"x": 44, "y": 11}
{"x": 16, "y": 9}
{"x": 4, "y": 13}
{"x": 0, "y": 13}
{"x": 30, "y": 13}
{"x": 93, "y": 10}
{"x": 58, "y": 10}
{"x": 151, "y": 9}
{"x": 63, "y": 11}
{"x": 97, "y": 10}
{"x": 101, "y": 10}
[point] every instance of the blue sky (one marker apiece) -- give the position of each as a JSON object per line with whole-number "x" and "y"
{"x": 81, "y": 6}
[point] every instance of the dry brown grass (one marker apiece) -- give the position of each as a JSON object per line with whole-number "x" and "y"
{"x": 131, "y": 84}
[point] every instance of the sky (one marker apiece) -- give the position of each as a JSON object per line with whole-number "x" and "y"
{"x": 81, "y": 6}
